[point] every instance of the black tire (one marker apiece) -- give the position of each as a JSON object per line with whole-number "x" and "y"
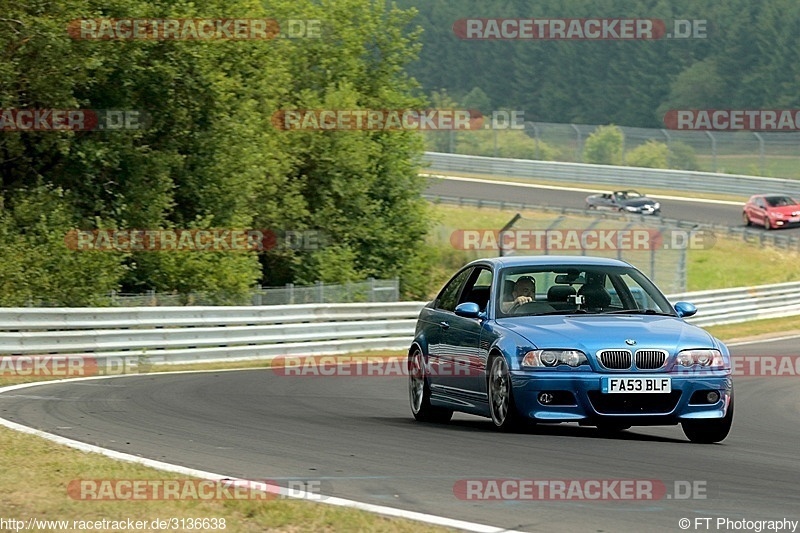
{"x": 767, "y": 223}
{"x": 709, "y": 431}
{"x": 502, "y": 408}
{"x": 419, "y": 392}
{"x": 747, "y": 221}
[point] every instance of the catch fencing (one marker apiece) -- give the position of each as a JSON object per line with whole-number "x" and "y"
{"x": 737, "y": 152}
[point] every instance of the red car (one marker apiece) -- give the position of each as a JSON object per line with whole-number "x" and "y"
{"x": 771, "y": 211}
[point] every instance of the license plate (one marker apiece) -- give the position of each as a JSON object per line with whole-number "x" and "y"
{"x": 794, "y": 219}
{"x": 636, "y": 385}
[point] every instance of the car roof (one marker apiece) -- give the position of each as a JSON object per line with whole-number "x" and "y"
{"x": 539, "y": 260}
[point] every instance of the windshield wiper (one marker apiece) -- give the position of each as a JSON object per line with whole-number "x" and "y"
{"x": 567, "y": 312}
{"x": 637, "y": 312}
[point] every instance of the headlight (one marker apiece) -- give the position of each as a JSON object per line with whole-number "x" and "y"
{"x": 656, "y": 205}
{"x": 551, "y": 358}
{"x": 701, "y": 358}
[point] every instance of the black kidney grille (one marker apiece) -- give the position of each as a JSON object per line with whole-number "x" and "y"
{"x": 650, "y": 359}
{"x": 615, "y": 359}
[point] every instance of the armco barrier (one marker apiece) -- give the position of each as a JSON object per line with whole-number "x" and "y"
{"x": 612, "y": 177}
{"x": 205, "y": 334}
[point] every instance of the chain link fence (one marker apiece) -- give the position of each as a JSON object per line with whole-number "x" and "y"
{"x": 774, "y": 154}
{"x": 371, "y": 290}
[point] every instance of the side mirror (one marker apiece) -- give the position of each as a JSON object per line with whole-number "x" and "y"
{"x": 685, "y": 309}
{"x": 469, "y": 310}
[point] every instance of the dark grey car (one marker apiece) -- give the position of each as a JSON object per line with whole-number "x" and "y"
{"x": 624, "y": 201}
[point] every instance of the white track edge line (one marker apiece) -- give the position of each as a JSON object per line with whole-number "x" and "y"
{"x": 756, "y": 341}
{"x": 168, "y": 467}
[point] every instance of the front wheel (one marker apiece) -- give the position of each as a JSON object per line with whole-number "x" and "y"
{"x": 502, "y": 407}
{"x": 767, "y": 223}
{"x": 709, "y": 431}
{"x": 419, "y": 392}
{"x": 746, "y": 220}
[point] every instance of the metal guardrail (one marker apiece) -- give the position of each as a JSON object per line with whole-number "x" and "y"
{"x": 205, "y": 334}
{"x": 612, "y": 176}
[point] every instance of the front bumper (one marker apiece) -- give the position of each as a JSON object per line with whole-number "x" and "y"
{"x": 578, "y": 398}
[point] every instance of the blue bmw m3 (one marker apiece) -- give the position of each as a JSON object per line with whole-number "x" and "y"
{"x": 549, "y": 339}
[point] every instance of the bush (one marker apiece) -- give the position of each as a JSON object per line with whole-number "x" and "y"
{"x": 604, "y": 146}
{"x": 652, "y": 154}
{"x": 515, "y": 144}
{"x": 682, "y": 157}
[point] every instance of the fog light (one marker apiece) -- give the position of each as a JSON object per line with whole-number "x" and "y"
{"x": 545, "y": 398}
{"x": 712, "y": 397}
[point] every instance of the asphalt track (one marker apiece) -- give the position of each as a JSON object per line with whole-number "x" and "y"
{"x": 708, "y": 213}
{"x": 356, "y": 435}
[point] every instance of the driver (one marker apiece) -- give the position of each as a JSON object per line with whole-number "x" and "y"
{"x": 524, "y": 292}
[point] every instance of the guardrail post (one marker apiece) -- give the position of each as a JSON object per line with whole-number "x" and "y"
{"x": 320, "y": 292}
{"x": 290, "y": 289}
{"x": 761, "y": 166}
{"x": 578, "y": 155}
{"x": 371, "y": 289}
{"x": 713, "y": 151}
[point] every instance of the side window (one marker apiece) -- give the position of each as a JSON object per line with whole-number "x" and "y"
{"x": 448, "y": 298}
{"x": 478, "y": 287}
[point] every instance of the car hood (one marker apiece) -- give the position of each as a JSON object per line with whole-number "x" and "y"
{"x": 786, "y": 209}
{"x": 595, "y": 332}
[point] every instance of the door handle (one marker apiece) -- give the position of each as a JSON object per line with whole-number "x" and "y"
{"x": 444, "y": 325}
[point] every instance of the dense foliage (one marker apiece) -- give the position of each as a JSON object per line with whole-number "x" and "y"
{"x": 210, "y": 157}
{"x": 748, "y": 60}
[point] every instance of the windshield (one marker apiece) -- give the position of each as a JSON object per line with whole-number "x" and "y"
{"x": 570, "y": 289}
{"x": 628, "y": 194}
{"x": 780, "y": 201}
